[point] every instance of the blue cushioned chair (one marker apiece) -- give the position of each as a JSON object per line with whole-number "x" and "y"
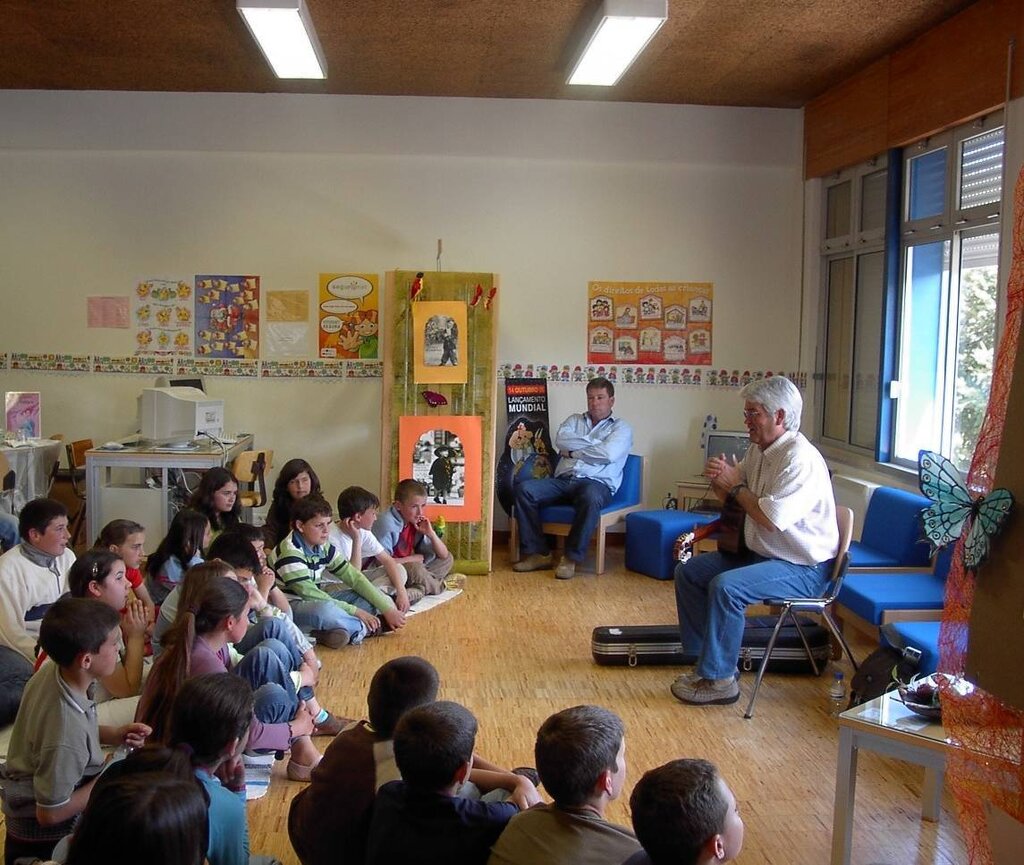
{"x": 892, "y": 536}
{"x": 651, "y": 537}
{"x": 923, "y": 636}
{"x": 869, "y": 600}
{"x": 557, "y": 519}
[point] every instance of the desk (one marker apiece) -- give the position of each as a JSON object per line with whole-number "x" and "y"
{"x": 32, "y": 464}
{"x": 886, "y": 726}
{"x": 149, "y": 506}
{"x": 692, "y": 494}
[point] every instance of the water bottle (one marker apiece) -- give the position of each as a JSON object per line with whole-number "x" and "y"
{"x": 837, "y": 695}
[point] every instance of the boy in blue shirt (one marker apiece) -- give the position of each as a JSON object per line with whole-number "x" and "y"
{"x": 55, "y": 753}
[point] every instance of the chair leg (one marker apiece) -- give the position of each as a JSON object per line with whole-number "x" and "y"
{"x": 599, "y": 562}
{"x": 513, "y": 539}
{"x": 807, "y": 646}
{"x": 77, "y": 526}
{"x": 764, "y": 662}
{"x": 838, "y": 634}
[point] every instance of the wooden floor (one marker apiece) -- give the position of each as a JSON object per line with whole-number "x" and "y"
{"x": 516, "y": 647}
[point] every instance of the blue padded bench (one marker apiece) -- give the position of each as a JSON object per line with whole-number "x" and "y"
{"x": 878, "y": 598}
{"x": 650, "y": 536}
{"x": 920, "y": 635}
{"x": 892, "y": 535}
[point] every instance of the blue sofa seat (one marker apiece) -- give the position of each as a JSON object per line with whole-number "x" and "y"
{"x": 892, "y": 536}
{"x": 923, "y": 636}
{"x": 651, "y": 535}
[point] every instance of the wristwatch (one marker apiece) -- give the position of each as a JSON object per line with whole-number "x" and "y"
{"x": 735, "y": 491}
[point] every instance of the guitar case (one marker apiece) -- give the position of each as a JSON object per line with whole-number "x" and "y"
{"x": 659, "y": 645}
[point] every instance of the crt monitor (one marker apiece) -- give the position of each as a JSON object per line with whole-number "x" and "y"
{"x": 179, "y": 414}
{"x": 732, "y": 443}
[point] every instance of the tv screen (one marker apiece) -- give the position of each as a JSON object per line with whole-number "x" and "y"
{"x": 730, "y": 443}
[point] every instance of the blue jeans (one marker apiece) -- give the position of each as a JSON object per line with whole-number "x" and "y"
{"x": 326, "y": 616}
{"x": 9, "y": 536}
{"x": 264, "y": 667}
{"x": 277, "y": 630}
{"x": 712, "y": 594}
{"x": 586, "y": 496}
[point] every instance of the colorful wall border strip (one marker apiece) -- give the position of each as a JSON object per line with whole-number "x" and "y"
{"x": 664, "y": 376}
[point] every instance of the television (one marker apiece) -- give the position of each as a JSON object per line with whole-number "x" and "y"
{"x": 179, "y": 414}
{"x": 732, "y": 443}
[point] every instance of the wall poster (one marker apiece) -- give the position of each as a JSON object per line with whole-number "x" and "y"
{"x": 162, "y": 314}
{"x": 649, "y": 322}
{"x": 23, "y": 414}
{"x": 444, "y": 453}
{"x": 349, "y": 316}
{"x": 528, "y": 451}
{"x": 228, "y": 316}
{"x": 439, "y": 339}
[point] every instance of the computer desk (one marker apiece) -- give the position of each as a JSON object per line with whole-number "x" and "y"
{"x": 136, "y": 500}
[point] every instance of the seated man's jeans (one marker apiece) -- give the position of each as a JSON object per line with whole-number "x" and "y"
{"x": 587, "y": 498}
{"x": 712, "y": 594}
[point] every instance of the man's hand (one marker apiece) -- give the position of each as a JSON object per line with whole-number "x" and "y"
{"x": 723, "y": 473}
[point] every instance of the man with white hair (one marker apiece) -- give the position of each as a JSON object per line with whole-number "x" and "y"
{"x": 790, "y": 533}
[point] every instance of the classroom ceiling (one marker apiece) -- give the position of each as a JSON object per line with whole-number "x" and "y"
{"x": 771, "y": 53}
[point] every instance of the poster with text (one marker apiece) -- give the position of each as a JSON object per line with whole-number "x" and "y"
{"x": 23, "y": 414}
{"x": 162, "y": 315}
{"x": 528, "y": 452}
{"x": 649, "y": 322}
{"x": 349, "y": 316}
{"x": 228, "y": 316}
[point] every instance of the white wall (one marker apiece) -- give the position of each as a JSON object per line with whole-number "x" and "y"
{"x": 100, "y": 189}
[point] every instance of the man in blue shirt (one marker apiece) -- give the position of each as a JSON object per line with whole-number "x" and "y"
{"x": 592, "y": 449}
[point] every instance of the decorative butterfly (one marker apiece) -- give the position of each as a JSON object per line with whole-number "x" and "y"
{"x": 434, "y": 399}
{"x": 953, "y": 506}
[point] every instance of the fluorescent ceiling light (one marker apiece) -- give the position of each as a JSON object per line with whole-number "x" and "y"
{"x": 285, "y": 34}
{"x": 619, "y": 32}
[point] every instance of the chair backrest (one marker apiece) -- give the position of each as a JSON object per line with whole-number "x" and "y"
{"x": 631, "y": 490}
{"x": 76, "y": 462}
{"x": 892, "y": 524}
{"x": 844, "y": 518}
{"x": 250, "y": 469}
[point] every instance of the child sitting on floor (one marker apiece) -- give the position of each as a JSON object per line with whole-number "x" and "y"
{"x": 212, "y": 616}
{"x": 187, "y": 537}
{"x": 357, "y": 512}
{"x": 422, "y": 818}
{"x": 406, "y": 533}
{"x": 127, "y": 539}
{"x": 217, "y": 498}
{"x": 685, "y": 814}
{"x": 55, "y": 751}
{"x": 337, "y": 613}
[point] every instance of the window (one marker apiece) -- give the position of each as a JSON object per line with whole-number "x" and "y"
{"x": 854, "y": 271}
{"x": 949, "y": 253}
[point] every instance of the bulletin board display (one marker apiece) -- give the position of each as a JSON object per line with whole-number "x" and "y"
{"x": 650, "y": 322}
{"x": 440, "y": 371}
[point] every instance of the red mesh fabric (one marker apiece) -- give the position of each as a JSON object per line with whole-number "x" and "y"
{"x": 988, "y": 766}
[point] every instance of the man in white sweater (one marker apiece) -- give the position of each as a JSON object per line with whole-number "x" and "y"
{"x": 33, "y": 574}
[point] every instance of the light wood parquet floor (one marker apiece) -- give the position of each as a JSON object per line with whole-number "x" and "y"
{"x": 515, "y": 648}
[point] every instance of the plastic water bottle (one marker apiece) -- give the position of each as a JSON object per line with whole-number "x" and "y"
{"x": 837, "y": 695}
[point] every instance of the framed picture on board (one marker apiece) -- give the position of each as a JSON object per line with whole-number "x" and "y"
{"x": 22, "y": 410}
{"x": 444, "y": 453}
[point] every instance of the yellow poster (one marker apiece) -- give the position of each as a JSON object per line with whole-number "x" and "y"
{"x": 650, "y": 322}
{"x": 439, "y": 341}
{"x": 349, "y": 316}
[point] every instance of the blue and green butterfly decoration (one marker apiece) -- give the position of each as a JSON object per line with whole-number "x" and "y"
{"x": 953, "y": 506}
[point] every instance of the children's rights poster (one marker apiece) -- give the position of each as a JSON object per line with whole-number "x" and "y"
{"x": 650, "y": 322}
{"x": 349, "y": 316}
{"x": 162, "y": 315}
{"x": 228, "y": 316}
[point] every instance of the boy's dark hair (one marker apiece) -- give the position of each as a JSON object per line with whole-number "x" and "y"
{"x": 209, "y": 713}
{"x": 309, "y": 508}
{"x": 116, "y": 532}
{"x": 38, "y": 514}
{"x": 234, "y": 549}
{"x": 248, "y": 531}
{"x": 75, "y": 625}
{"x": 408, "y": 488}
{"x": 355, "y": 500}
{"x": 153, "y": 817}
{"x": 91, "y": 565}
{"x": 676, "y": 809}
{"x": 601, "y": 383}
{"x": 432, "y": 742}
{"x": 398, "y": 686}
{"x": 573, "y": 748}
{"x": 183, "y": 540}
